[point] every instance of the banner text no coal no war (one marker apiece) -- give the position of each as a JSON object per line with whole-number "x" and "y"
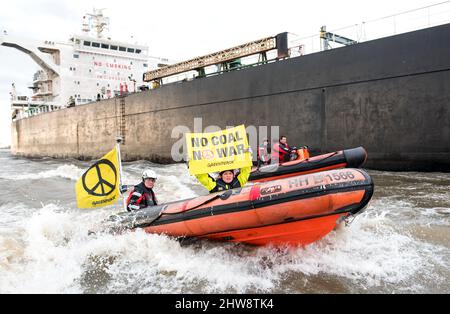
{"x": 218, "y": 151}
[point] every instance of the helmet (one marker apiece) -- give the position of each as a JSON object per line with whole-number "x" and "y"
{"x": 148, "y": 173}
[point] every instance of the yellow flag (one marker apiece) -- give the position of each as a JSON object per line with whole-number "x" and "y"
{"x": 218, "y": 151}
{"x": 99, "y": 185}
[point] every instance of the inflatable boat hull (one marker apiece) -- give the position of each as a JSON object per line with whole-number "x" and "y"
{"x": 297, "y": 210}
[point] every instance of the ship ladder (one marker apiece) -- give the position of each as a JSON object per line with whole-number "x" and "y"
{"x": 122, "y": 119}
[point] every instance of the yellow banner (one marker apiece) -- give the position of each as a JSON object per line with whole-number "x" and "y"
{"x": 99, "y": 185}
{"x": 218, "y": 151}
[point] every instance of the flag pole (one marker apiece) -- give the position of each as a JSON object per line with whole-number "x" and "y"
{"x": 121, "y": 187}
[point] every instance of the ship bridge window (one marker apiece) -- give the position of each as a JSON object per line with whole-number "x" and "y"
{"x": 113, "y": 47}
{"x": 96, "y": 45}
{"x": 138, "y": 50}
{"x": 105, "y": 46}
{"x": 76, "y": 56}
{"x": 87, "y": 43}
{"x": 130, "y": 50}
{"x": 122, "y": 49}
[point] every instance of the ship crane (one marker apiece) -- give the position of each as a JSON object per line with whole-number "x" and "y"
{"x": 327, "y": 37}
{"x": 227, "y": 59}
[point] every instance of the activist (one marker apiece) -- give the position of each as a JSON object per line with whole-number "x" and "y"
{"x": 142, "y": 194}
{"x": 227, "y": 180}
{"x": 264, "y": 153}
{"x": 221, "y": 152}
{"x": 282, "y": 152}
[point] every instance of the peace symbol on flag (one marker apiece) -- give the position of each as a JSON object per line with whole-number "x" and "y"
{"x": 107, "y": 186}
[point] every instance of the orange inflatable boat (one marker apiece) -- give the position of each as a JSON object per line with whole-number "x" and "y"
{"x": 349, "y": 158}
{"x": 297, "y": 210}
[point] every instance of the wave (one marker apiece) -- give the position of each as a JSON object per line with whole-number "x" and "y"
{"x": 55, "y": 254}
{"x": 71, "y": 172}
{"x": 399, "y": 244}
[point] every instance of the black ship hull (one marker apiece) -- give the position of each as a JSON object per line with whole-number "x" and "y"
{"x": 390, "y": 96}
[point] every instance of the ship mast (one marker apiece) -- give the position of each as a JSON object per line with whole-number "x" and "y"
{"x": 96, "y": 21}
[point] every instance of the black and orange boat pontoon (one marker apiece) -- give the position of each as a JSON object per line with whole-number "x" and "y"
{"x": 297, "y": 210}
{"x": 348, "y": 158}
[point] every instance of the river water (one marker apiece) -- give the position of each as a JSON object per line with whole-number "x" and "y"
{"x": 399, "y": 244}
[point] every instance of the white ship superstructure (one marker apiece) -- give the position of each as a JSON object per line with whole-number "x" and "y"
{"x": 84, "y": 69}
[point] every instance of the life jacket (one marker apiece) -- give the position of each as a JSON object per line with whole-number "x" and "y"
{"x": 221, "y": 185}
{"x": 280, "y": 152}
{"x": 263, "y": 154}
{"x": 141, "y": 197}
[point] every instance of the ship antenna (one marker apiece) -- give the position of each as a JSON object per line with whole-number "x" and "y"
{"x": 101, "y": 23}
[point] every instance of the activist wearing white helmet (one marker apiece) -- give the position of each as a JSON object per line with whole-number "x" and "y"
{"x": 142, "y": 194}
{"x": 149, "y": 174}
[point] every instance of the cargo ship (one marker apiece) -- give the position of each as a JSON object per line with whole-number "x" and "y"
{"x": 88, "y": 67}
{"x": 390, "y": 95}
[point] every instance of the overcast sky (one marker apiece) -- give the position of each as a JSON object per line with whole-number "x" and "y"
{"x": 174, "y": 29}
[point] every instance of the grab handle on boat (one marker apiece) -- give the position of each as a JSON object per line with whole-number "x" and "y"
{"x": 224, "y": 196}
